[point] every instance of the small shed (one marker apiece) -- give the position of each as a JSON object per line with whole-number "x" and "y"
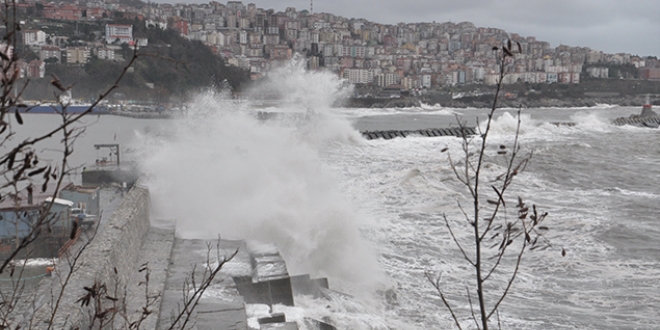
{"x": 59, "y": 216}
{"x": 15, "y": 221}
{"x": 20, "y": 213}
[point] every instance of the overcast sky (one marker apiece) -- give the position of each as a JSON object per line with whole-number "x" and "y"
{"x": 613, "y": 26}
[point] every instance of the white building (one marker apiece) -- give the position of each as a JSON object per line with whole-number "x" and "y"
{"x": 50, "y": 52}
{"x": 105, "y": 53}
{"x": 359, "y": 76}
{"x": 426, "y": 80}
{"x": 34, "y": 37}
{"x": 384, "y": 80}
{"x": 118, "y": 32}
{"x": 598, "y": 72}
{"x": 243, "y": 37}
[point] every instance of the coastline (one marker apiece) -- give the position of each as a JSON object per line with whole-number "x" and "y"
{"x": 485, "y": 101}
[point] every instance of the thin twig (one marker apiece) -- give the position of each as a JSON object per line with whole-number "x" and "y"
{"x": 436, "y": 284}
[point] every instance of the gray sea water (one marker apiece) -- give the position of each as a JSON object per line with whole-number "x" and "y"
{"x": 598, "y": 182}
{"x": 363, "y": 211}
{"x": 368, "y": 214}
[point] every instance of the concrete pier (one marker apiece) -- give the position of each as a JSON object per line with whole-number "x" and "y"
{"x": 640, "y": 121}
{"x": 131, "y": 251}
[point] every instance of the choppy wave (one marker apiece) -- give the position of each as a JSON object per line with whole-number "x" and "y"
{"x": 370, "y": 215}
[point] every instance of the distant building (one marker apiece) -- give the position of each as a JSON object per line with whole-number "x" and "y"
{"x": 649, "y": 73}
{"x": 426, "y": 81}
{"x": 105, "y": 53}
{"x": 279, "y": 52}
{"x": 181, "y": 26}
{"x": 95, "y": 13}
{"x": 46, "y": 52}
{"x": 387, "y": 79}
{"x": 575, "y": 77}
{"x": 36, "y": 69}
{"x": 34, "y": 37}
{"x": 243, "y": 37}
{"x": 77, "y": 55}
{"x": 152, "y": 24}
{"x": 358, "y": 76}
{"x": 118, "y": 33}
{"x": 598, "y": 72}
{"x": 552, "y": 77}
{"x": 62, "y": 12}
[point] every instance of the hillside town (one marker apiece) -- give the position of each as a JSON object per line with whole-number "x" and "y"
{"x": 413, "y": 56}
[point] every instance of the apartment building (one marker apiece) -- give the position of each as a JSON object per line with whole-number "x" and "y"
{"x": 118, "y": 33}
{"x": 34, "y": 37}
{"x": 46, "y": 52}
{"x": 105, "y": 53}
{"x": 358, "y": 76}
{"x": 36, "y": 69}
{"x": 77, "y": 55}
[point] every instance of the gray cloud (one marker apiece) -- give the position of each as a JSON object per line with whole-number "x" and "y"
{"x": 613, "y": 26}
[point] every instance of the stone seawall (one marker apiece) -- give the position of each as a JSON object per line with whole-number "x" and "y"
{"x": 110, "y": 259}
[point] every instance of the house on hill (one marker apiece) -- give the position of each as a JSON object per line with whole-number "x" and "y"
{"x": 118, "y": 33}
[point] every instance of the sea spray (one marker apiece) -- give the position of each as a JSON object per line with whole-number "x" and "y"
{"x": 300, "y": 90}
{"x": 221, "y": 171}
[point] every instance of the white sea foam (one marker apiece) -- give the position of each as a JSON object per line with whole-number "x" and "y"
{"x": 336, "y": 204}
{"x": 423, "y": 110}
{"x": 221, "y": 171}
{"x": 35, "y": 262}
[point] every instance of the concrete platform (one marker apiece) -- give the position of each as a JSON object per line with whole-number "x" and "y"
{"x": 221, "y": 306}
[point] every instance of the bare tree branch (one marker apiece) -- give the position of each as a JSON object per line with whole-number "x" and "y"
{"x": 436, "y": 284}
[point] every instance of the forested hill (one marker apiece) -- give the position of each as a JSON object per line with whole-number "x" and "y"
{"x": 170, "y": 67}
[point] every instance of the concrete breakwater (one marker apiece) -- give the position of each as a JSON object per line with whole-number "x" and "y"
{"x": 110, "y": 259}
{"x": 129, "y": 242}
{"x": 638, "y": 121}
{"x": 430, "y": 132}
{"x": 652, "y": 122}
